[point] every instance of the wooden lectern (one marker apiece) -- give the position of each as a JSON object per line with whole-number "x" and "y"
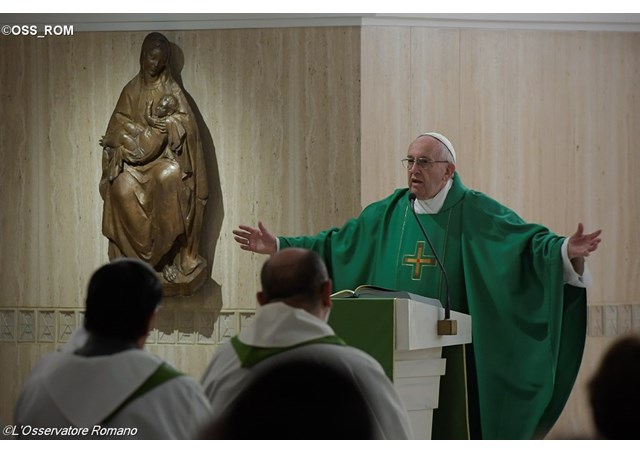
{"x": 402, "y": 335}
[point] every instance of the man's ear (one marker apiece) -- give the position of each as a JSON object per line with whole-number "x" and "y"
{"x": 326, "y": 291}
{"x": 262, "y": 299}
{"x": 451, "y": 169}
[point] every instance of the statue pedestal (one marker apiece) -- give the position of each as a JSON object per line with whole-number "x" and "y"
{"x": 184, "y": 285}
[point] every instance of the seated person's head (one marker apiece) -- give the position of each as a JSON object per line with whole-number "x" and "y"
{"x": 121, "y": 300}
{"x": 299, "y": 278}
{"x": 296, "y": 399}
{"x": 614, "y": 390}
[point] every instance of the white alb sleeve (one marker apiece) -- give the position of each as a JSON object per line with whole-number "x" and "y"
{"x": 570, "y": 276}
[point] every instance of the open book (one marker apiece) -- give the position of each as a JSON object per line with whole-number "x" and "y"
{"x": 377, "y": 292}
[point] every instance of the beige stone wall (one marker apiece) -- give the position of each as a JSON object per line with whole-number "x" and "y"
{"x": 281, "y": 109}
{"x": 544, "y": 121}
{"x": 308, "y": 125}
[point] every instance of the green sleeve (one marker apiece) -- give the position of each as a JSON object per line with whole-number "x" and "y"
{"x": 350, "y": 250}
{"x": 528, "y": 327}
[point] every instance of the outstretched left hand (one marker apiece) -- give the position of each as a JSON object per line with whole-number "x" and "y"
{"x": 581, "y": 245}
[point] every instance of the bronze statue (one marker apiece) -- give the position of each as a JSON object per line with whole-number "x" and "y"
{"x": 154, "y": 183}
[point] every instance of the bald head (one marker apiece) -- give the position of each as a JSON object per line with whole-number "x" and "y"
{"x": 295, "y": 276}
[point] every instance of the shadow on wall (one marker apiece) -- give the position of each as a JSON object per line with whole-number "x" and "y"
{"x": 198, "y": 319}
{"x": 192, "y": 319}
{"x": 214, "y": 213}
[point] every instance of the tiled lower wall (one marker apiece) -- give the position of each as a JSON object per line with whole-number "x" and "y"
{"x": 183, "y": 327}
{"x": 210, "y": 327}
{"x": 613, "y": 320}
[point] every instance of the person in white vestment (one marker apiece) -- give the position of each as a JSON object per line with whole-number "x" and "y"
{"x": 110, "y": 387}
{"x": 302, "y": 397}
{"x": 290, "y": 325}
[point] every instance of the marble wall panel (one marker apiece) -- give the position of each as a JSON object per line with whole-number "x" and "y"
{"x": 543, "y": 121}
{"x": 386, "y": 101}
{"x": 303, "y": 127}
{"x": 279, "y": 114}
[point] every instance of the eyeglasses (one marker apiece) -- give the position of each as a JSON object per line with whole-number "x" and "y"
{"x": 422, "y": 162}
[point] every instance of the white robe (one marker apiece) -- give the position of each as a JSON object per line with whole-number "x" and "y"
{"x": 278, "y": 325}
{"x": 65, "y": 390}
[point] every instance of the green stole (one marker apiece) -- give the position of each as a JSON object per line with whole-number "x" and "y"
{"x": 252, "y": 355}
{"x": 417, "y": 271}
{"x": 404, "y": 261}
{"x": 163, "y": 373}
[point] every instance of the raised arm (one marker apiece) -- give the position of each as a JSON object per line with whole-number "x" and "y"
{"x": 257, "y": 240}
{"x": 581, "y": 245}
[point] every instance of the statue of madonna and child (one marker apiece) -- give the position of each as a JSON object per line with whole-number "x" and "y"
{"x": 154, "y": 182}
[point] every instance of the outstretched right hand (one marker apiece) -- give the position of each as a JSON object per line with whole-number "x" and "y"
{"x": 257, "y": 240}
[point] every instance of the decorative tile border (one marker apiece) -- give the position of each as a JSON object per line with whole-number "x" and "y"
{"x": 594, "y": 321}
{"x": 209, "y": 327}
{"x": 46, "y": 326}
{"x": 228, "y": 326}
{"x": 67, "y": 320}
{"x": 206, "y": 328}
{"x": 27, "y": 326}
{"x": 166, "y": 327}
{"x": 186, "y": 327}
{"x": 173, "y": 326}
{"x": 612, "y": 320}
{"x": 8, "y": 326}
{"x": 246, "y": 319}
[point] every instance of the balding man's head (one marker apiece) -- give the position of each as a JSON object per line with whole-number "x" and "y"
{"x": 297, "y": 277}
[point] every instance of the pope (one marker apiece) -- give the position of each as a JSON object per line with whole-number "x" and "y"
{"x": 523, "y": 285}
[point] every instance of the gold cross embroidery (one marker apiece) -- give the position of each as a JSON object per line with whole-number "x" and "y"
{"x": 418, "y": 260}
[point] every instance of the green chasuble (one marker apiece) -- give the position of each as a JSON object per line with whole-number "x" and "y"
{"x": 528, "y": 327}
